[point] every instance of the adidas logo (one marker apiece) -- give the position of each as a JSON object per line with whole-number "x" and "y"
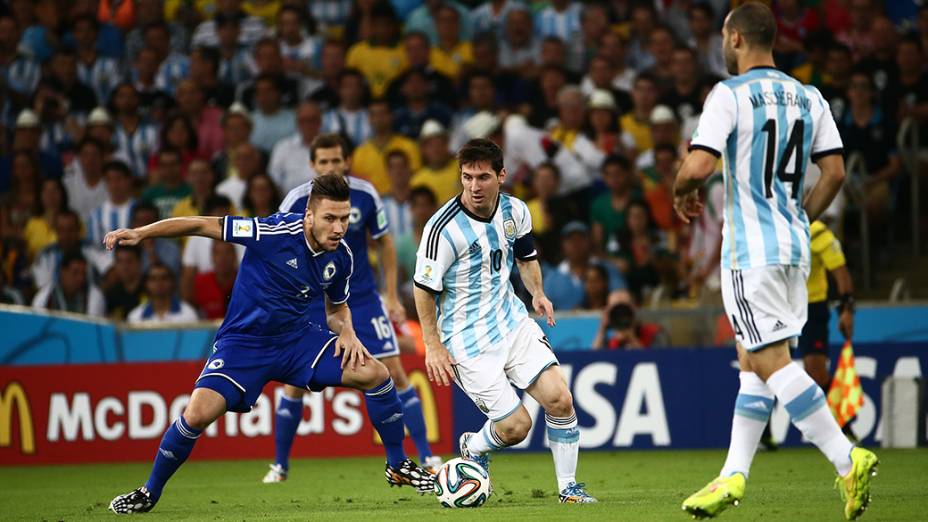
{"x": 167, "y": 454}
{"x": 284, "y": 413}
{"x": 474, "y": 248}
{"x": 779, "y": 326}
{"x": 393, "y": 418}
{"x": 292, "y": 263}
{"x": 756, "y": 405}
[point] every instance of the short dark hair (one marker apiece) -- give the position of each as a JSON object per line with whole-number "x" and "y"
{"x": 397, "y": 153}
{"x": 327, "y": 141}
{"x": 329, "y": 186}
{"x": 756, "y": 23}
{"x": 68, "y": 213}
{"x": 217, "y": 201}
{"x": 72, "y": 256}
{"x": 209, "y": 55}
{"x": 144, "y": 206}
{"x": 665, "y": 147}
{"x": 132, "y": 249}
{"x": 618, "y": 160}
{"x": 93, "y": 142}
{"x": 479, "y": 150}
{"x": 156, "y": 265}
{"x": 423, "y": 192}
{"x": 118, "y": 166}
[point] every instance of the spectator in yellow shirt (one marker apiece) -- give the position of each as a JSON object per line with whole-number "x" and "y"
{"x": 369, "y": 160}
{"x": 636, "y": 124}
{"x": 379, "y": 59}
{"x": 440, "y": 171}
{"x": 451, "y": 55}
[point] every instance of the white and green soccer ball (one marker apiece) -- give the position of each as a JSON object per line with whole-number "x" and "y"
{"x": 462, "y": 483}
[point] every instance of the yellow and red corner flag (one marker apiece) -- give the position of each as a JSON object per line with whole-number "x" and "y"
{"x": 845, "y": 396}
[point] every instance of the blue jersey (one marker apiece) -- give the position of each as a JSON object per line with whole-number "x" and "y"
{"x": 367, "y": 215}
{"x": 281, "y": 278}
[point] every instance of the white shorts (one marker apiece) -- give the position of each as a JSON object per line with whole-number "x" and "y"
{"x": 488, "y": 379}
{"x": 766, "y": 304}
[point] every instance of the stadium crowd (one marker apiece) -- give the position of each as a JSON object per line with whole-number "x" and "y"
{"x": 117, "y": 113}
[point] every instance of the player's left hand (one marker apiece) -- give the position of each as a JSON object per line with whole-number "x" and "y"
{"x": 688, "y": 206}
{"x": 396, "y": 310}
{"x": 123, "y": 236}
{"x": 544, "y": 308}
{"x": 354, "y": 351}
{"x": 846, "y": 324}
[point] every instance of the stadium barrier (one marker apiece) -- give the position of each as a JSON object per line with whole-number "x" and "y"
{"x": 88, "y": 391}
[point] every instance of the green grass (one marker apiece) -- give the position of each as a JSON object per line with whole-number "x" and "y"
{"x": 787, "y": 485}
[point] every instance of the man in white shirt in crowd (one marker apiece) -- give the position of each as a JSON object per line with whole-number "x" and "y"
{"x": 83, "y": 178}
{"x": 162, "y": 305}
{"x": 290, "y": 166}
{"x": 71, "y": 292}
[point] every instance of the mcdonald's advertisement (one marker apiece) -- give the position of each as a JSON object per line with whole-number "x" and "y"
{"x": 118, "y": 412}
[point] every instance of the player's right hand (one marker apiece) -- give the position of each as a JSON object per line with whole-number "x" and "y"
{"x": 688, "y": 206}
{"x": 122, "y": 236}
{"x": 438, "y": 364}
{"x": 351, "y": 350}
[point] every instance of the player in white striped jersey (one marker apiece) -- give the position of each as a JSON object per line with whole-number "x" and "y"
{"x": 768, "y": 126}
{"x": 477, "y": 332}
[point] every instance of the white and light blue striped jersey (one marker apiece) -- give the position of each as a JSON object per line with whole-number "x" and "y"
{"x": 237, "y": 69}
{"x": 106, "y": 218}
{"x": 330, "y": 12}
{"x": 399, "y": 216}
{"x": 354, "y": 124}
{"x": 136, "y": 148}
{"x": 21, "y": 75}
{"x": 103, "y": 75}
{"x": 563, "y": 24}
{"x": 768, "y": 126}
{"x": 172, "y": 70}
{"x": 466, "y": 260}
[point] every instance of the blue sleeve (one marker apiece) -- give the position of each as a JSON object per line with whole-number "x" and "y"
{"x": 250, "y": 232}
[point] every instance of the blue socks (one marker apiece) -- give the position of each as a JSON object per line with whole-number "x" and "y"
{"x": 415, "y": 421}
{"x": 289, "y": 415}
{"x": 175, "y": 447}
{"x": 386, "y": 415}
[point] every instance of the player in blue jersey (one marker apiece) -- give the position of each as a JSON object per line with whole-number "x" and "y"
{"x": 291, "y": 261}
{"x": 371, "y": 315}
{"x": 769, "y": 127}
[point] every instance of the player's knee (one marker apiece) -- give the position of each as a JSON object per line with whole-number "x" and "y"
{"x": 561, "y": 404}
{"x": 198, "y": 418}
{"x": 514, "y": 432}
{"x": 372, "y": 374}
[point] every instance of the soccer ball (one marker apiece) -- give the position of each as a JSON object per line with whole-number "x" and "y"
{"x": 462, "y": 483}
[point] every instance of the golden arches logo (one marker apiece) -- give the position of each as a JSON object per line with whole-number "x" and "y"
{"x": 14, "y": 395}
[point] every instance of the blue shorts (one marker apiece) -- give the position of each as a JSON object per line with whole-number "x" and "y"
{"x": 240, "y": 366}
{"x": 373, "y": 326}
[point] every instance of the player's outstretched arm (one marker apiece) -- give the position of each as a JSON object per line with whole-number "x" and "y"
{"x": 338, "y": 317}
{"x": 206, "y": 226}
{"x": 827, "y": 187}
{"x": 437, "y": 358}
{"x": 698, "y": 165}
{"x": 530, "y": 272}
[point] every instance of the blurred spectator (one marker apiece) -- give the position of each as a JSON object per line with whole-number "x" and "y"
{"x": 543, "y": 96}
{"x": 40, "y": 41}
{"x": 881, "y": 63}
{"x": 865, "y": 128}
{"x": 330, "y": 14}
{"x": 490, "y": 17}
{"x": 396, "y": 202}
{"x": 812, "y": 71}
{"x": 272, "y": 121}
{"x": 152, "y": 11}
{"x": 480, "y": 97}
{"x": 27, "y": 136}
{"x": 602, "y": 123}
{"x": 155, "y": 250}
{"x": 213, "y": 289}
{"x": 608, "y": 210}
{"x": 664, "y": 131}
{"x": 172, "y": 66}
{"x": 261, "y": 196}
{"x": 564, "y": 284}
{"x": 204, "y": 72}
{"x": 561, "y": 18}
{"x": 378, "y": 57}
{"x": 601, "y": 77}
{"x": 837, "y": 79}
{"x": 300, "y": 51}
{"x": 162, "y": 305}
{"x": 422, "y": 206}
{"x": 125, "y": 289}
{"x": 684, "y": 95}
{"x": 47, "y": 263}
{"x": 583, "y": 45}
{"x": 59, "y": 128}
{"x": 706, "y": 40}
{"x": 620, "y": 329}
{"x": 520, "y": 49}
{"x": 451, "y": 55}
{"x": 116, "y": 210}
{"x": 39, "y": 231}
{"x": 99, "y": 126}
{"x": 417, "y": 107}
{"x": 636, "y": 124}
{"x": 858, "y": 36}
{"x": 568, "y": 134}
{"x": 290, "y": 166}
{"x": 269, "y": 63}
{"x": 178, "y": 133}
{"x": 202, "y": 180}
{"x": 596, "y": 288}
{"x": 15, "y": 273}
{"x": 198, "y": 251}
{"x": 705, "y": 248}
{"x": 613, "y": 48}
{"x": 248, "y": 163}
{"x": 83, "y": 178}
{"x": 100, "y": 73}
{"x": 65, "y": 75}
{"x": 235, "y": 61}
{"x": 642, "y": 254}
{"x": 136, "y": 139}
{"x": 19, "y": 71}
{"x": 425, "y": 19}
{"x": 658, "y": 187}
{"x": 910, "y": 92}
{"x": 9, "y": 294}
{"x": 543, "y": 210}
{"x": 236, "y": 130}
{"x": 113, "y": 14}
{"x": 167, "y": 186}
{"x": 252, "y": 28}
{"x": 660, "y": 46}
{"x": 206, "y": 120}
{"x": 643, "y": 21}
{"x": 794, "y": 23}
{"x": 510, "y": 87}
{"x": 23, "y": 198}
{"x": 370, "y": 159}
{"x": 350, "y": 117}
{"x": 153, "y": 100}
{"x": 71, "y": 290}
{"x": 324, "y": 88}
{"x": 440, "y": 171}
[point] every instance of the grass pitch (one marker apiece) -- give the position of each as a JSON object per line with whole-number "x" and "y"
{"x": 786, "y": 485}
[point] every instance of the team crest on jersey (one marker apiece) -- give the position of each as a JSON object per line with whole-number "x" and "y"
{"x": 242, "y": 228}
{"x": 482, "y": 405}
{"x": 216, "y": 364}
{"x": 354, "y": 216}
{"x": 509, "y": 228}
{"x": 329, "y": 271}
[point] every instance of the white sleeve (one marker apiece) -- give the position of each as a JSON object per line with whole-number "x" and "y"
{"x": 96, "y": 304}
{"x": 523, "y": 221}
{"x": 434, "y": 257}
{"x": 717, "y": 120}
{"x": 826, "y": 138}
{"x": 41, "y": 298}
